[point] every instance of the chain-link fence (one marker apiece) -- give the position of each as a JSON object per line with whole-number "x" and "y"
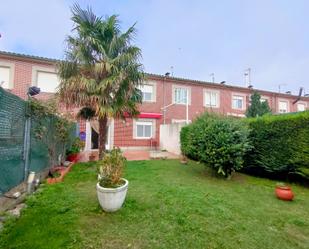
{"x": 41, "y": 153}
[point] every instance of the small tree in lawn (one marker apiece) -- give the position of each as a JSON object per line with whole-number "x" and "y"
{"x": 101, "y": 72}
{"x": 257, "y": 107}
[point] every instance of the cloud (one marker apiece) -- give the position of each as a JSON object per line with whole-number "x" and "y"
{"x": 195, "y": 37}
{"x": 34, "y": 26}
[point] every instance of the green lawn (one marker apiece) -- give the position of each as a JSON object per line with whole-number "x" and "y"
{"x": 169, "y": 205}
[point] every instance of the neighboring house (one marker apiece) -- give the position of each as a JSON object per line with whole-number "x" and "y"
{"x": 18, "y": 72}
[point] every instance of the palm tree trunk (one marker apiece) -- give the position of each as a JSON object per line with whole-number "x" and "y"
{"x": 102, "y": 135}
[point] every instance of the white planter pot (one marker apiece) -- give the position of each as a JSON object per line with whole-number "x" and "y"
{"x": 111, "y": 199}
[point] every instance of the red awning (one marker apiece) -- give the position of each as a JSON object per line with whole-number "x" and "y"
{"x": 147, "y": 115}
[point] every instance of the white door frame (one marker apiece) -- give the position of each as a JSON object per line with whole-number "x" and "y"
{"x": 110, "y": 136}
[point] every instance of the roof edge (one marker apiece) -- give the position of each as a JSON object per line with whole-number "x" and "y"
{"x": 163, "y": 77}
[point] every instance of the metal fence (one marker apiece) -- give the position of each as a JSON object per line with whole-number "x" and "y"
{"x": 16, "y": 148}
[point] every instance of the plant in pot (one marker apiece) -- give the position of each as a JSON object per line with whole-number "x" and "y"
{"x": 72, "y": 153}
{"x": 112, "y": 188}
{"x": 284, "y": 192}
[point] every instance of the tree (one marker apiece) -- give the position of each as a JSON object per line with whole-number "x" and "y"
{"x": 257, "y": 107}
{"x": 101, "y": 71}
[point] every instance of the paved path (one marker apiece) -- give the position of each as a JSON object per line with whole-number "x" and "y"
{"x": 133, "y": 155}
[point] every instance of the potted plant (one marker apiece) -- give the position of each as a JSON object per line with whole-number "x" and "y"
{"x": 284, "y": 192}
{"x": 72, "y": 153}
{"x": 112, "y": 188}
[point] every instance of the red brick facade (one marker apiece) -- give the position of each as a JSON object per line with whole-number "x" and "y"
{"x": 123, "y": 135}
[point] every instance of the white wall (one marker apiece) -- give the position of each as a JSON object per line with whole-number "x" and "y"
{"x": 170, "y": 137}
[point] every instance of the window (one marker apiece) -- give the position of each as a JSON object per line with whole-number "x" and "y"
{"x": 45, "y": 78}
{"x": 180, "y": 121}
{"x": 147, "y": 92}
{"x": 238, "y": 102}
{"x": 143, "y": 129}
{"x": 301, "y": 107}
{"x": 6, "y": 75}
{"x": 283, "y": 106}
{"x": 211, "y": 98}
{"x": 263, "y": 99}
{"x": 180, "y": 95}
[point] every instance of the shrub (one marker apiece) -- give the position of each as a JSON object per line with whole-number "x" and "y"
{"x": 281, "y": 145}
{"x": 257, "y": 108}
{"x": 219, "y": 142}
{"x": 76, "y": 147}
{"x": 111, "y": 169}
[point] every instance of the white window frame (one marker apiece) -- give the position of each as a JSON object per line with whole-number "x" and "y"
{"x": 264, "y": 99}
{"x": 180, "y": 121}
{"x": 154, "y": 90}
{"x": 36, "y": 69}
{"x": 288, "y": 105}
{"x": 217, "y": 92}
{"x": 301, "y": 103}
{"x": 174, "y": 87}
{"x": 141, "y": 121}
{"x": 243, "y": 96}
{"x": 11, "y": 67}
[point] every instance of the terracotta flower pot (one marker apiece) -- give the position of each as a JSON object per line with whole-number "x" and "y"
{"x": 284, "y": 193}
{"x": 72, "y": 157}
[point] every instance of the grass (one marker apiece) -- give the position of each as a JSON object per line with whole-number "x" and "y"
{"x": 169, "y": 205}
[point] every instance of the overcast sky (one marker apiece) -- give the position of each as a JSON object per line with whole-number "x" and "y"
{"x": 194, "y": 37}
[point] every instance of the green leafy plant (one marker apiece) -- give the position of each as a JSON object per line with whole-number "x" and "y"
{"x": 76, "y": 147}
{"x": 101, "y": 71}
{"x": 49, "y": 126}
{"x": 281, "y": 146}
{"x": 257, "y": 107}
{"x": 111, "y": 168}
{"x": 219, "y": 142}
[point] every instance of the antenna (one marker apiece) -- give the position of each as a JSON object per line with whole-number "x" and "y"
{"x": 279, "y": 87}
{"x": 212, "y": 75}
{"x": 247, "y": 76}
{"x": 172, "y": 71}
{"x": 301, "y": 89}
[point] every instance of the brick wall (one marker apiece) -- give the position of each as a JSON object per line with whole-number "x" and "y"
{"x": 23, "y": 75}
{"x": 123, "y": 135}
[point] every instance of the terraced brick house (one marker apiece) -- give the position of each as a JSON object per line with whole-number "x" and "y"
{"x": 164, "y": 100}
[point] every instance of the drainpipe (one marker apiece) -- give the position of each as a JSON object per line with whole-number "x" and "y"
{"x": 32, "y": 91}
{"x": 26, "y": 151}
{"x": 187, "y": 107}
{"x": 164, "y": 109}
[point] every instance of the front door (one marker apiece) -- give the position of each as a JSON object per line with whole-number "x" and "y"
{"x": 92, "y": 137}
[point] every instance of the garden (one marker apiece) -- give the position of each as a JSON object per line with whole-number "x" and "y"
{"x": 223, "y": 193}
{"x": 168, "y": 205}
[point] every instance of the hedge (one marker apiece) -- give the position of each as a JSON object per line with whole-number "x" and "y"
{"x": 280, "y": 146}
{"x": 219, "y": 142}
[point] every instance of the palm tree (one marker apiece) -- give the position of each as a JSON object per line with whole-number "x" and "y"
{"x": 101, "y": 71}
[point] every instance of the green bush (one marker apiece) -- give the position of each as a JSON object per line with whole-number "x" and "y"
{"x": 111, "y": 168}
{"x": 219, "y": 142}
{"x": 281, "y": 145}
